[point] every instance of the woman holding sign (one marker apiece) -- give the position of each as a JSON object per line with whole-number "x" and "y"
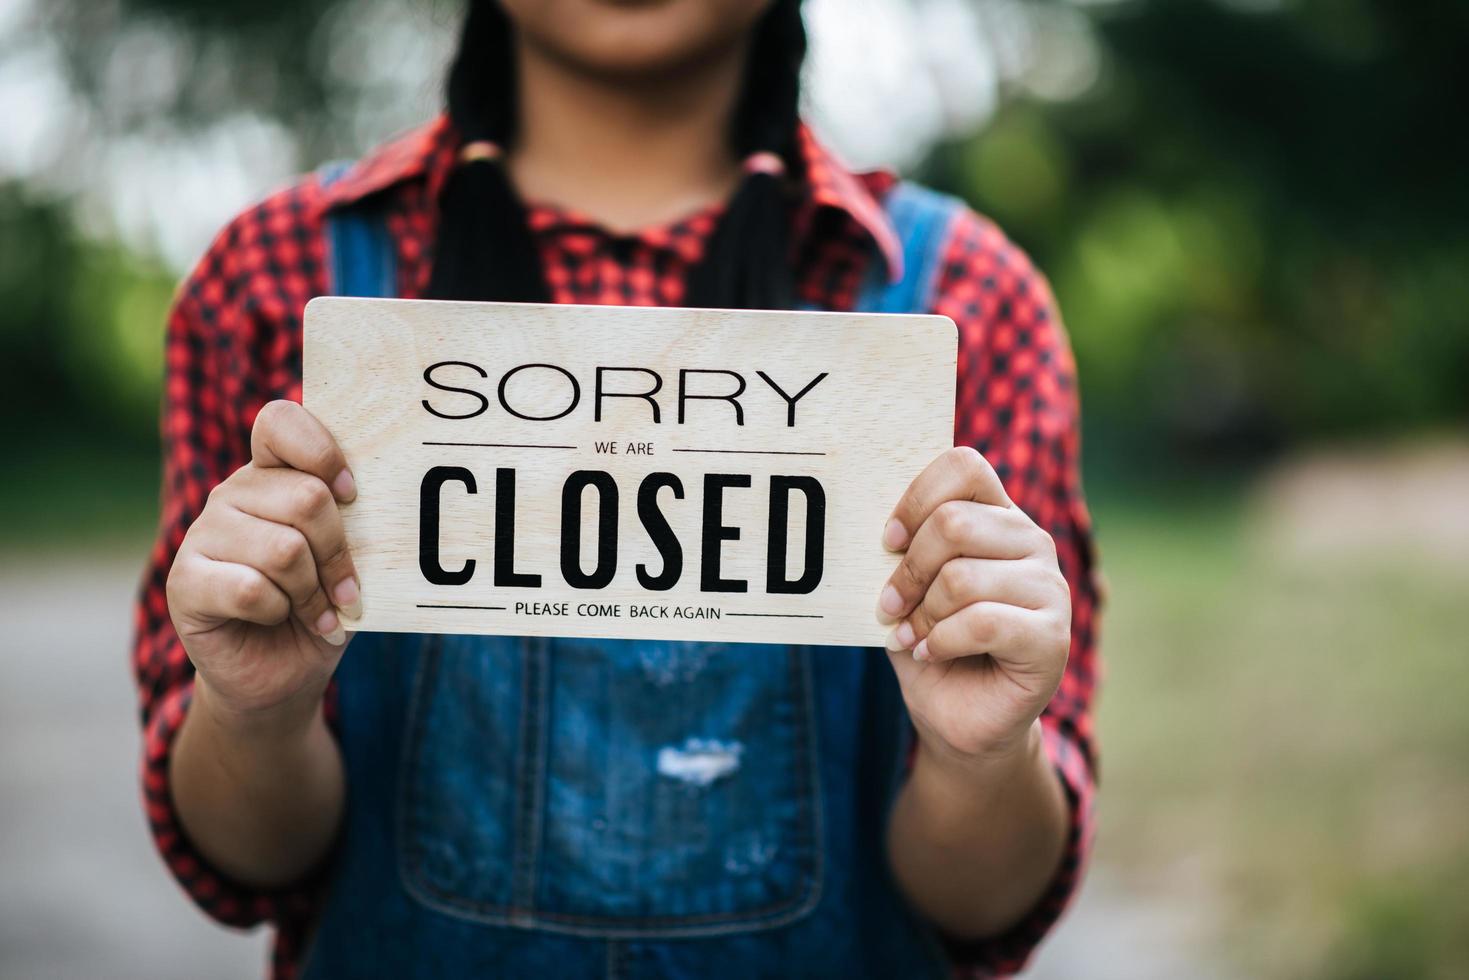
{"x": 447, "y": 806}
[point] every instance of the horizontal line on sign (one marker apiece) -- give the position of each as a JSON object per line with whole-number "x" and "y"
{"x": 436, "y": 605}
{"x": 753, "y": 452}
{"x": 501, "y": 445}
{"x": 780, "y": 615}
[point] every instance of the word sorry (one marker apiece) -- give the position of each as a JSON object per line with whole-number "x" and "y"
{"x": 464, "y": 408}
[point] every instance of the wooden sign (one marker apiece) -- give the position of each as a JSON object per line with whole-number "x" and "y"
{"x": 626, "y": 472}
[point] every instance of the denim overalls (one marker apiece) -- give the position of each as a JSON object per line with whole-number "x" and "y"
{"x": 569, "y": 807}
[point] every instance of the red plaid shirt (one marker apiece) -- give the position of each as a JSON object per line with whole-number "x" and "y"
{"x": 234, "y": 343}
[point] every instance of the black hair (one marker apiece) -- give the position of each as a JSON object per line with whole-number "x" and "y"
{"x": 484, "y": 248}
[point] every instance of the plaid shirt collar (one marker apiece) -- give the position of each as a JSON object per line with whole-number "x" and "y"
{"x": 428, "y": 153}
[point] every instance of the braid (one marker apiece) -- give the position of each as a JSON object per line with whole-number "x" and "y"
{"x": 748, "y": 263}
{"x": 485, "y": 250}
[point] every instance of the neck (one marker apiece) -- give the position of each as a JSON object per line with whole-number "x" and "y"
{"x": 627, "y": 152}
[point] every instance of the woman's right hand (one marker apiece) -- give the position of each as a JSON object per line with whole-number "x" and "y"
{"x": 255, "y": 588}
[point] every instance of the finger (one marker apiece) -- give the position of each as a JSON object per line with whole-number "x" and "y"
{"x": 955, "y": 528}
{"x": 960, "y": 473}
{"x": 965, "y": 581}
{"x": 287, "y": 496}
{"x": 1002, "y": 631}
{"x": 219, "y": 591}
{"x": 285, "y": 434}
{"x": 283, "y": 555}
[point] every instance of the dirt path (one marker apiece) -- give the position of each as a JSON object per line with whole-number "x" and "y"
{"x": 82, "y": 893}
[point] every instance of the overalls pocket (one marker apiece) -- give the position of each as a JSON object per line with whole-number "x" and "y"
{"x": 459, "y": 787}
{"x": 613, "y": 788}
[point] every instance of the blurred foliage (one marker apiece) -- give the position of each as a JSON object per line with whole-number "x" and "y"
{"x": 1255, "y": 220}
{"x": 80, "y": 334}
{"x": 232, "y": 55}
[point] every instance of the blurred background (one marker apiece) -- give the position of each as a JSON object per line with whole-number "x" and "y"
{"x": 1255, "y": 214}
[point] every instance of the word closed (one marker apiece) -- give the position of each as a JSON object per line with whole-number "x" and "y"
{"x": 626, "y": 472}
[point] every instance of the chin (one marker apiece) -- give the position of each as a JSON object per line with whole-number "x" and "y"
{"x": 633, "y": 37}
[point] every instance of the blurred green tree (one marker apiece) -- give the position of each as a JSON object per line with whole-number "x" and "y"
{"x": 1256, "y": 221}
{"x": 79, "y": 339}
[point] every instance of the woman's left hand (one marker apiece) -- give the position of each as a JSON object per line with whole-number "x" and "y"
{"x": 981, "y": 604}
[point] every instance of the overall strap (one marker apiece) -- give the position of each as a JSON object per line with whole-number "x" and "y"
{"x": 922, "y": 219}
{"x": 360, "y": 256}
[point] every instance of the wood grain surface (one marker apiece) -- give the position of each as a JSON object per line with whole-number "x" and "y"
{"x": 416, "y": 389}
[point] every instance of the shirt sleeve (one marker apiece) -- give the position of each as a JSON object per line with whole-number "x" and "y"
{"x": 205, "y": 438}
{"x": 1017, "y": 404}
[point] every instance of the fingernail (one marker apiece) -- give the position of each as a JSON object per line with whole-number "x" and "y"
{"x": 920, "y": 652}
{"x": 344, "y": 486}
{"x": 348, "y": 597}
{"x": 330, "y": 628}
{"x": 895, "y": 535}
{"x": 901, "y": 638}
{"x": 890, "y": 602}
